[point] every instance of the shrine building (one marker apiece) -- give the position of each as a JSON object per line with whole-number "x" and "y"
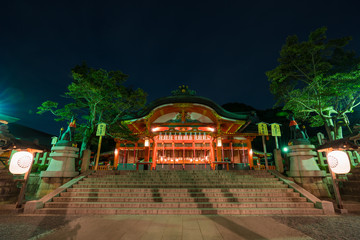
{"x": 185, "y": 131}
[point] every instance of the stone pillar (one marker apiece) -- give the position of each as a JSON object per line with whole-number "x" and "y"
{"x": 305, "y": 171}
{"x": 61, "y": 169}
{"x": 85, "y": 160}
{"x": 278, "y": 160}
{"x": 62, "y": 163}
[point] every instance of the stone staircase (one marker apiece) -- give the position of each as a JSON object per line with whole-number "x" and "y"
{"x": 350, "y": 191}
{"x": 8, "y": 186}
{"x": 180, "y": 192}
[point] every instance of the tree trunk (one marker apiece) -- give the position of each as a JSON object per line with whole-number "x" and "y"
{"x": 85, "y": 142}
{"x": 339, "y": 133}
{"x": 329, "y": 127}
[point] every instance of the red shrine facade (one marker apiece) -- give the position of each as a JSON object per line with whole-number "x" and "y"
{"x": 186, "y": 130}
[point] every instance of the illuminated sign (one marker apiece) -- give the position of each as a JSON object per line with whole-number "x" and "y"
{"x": 101, "y": 129}
{"x": 275, "y": 130}
{"x": 262, "y": 128}
{"x": 339, "y": 162}
{"x": 20, "y": 162}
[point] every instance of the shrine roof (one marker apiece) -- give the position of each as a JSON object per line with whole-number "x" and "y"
{"x": 196, "y": 100}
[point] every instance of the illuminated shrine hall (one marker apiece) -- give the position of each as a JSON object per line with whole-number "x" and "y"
{"x": 184, "y": 129}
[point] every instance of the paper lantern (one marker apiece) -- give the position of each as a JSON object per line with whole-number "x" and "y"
{"x": 20, "y": 162}
{"x": 339, "y": 162}
{"x": 219, "y": 142}
{"x": 147, "y": 142}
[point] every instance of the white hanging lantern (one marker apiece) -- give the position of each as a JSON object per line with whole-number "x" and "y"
{"x": 20, "y": 162}
{"x": 147, "y": 142}
{"x": 339, "y": 162}
{"x": 219, "y": 142}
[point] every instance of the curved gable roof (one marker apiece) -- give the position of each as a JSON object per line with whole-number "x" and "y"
{"x": 196, "y": 100}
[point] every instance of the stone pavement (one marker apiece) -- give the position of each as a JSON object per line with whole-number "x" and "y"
{"x": 21, "y": 226}
{"x": 170, "y": 227}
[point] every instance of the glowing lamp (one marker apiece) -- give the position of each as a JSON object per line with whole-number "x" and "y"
{"x": 339, "y": 162}
{"x": 219, "y": 142}
{"x": 20, "y": 162}
{"x": 147, "y": 142}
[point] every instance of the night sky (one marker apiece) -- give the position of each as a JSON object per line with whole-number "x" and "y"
{"x": 221, "y": 49}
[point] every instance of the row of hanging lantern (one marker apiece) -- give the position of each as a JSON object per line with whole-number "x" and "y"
{"x": 181, "y": 159}
{"x": 186, "y": 136}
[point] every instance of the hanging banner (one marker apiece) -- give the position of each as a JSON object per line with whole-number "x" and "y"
{"x": 262, "y": 128}
{"x": 275, "y": 130}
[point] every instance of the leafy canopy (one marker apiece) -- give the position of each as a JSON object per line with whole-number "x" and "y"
{"x": 97, "y": 96}
{"x": 317, "y": 79}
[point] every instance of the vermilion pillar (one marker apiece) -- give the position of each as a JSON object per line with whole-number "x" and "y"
{"x": 116, "y": 154}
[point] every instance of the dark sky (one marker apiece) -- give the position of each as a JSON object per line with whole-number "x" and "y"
{"x": 221, "y": 49}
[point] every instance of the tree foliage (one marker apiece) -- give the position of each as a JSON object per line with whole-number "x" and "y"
{"x": 97, "y": 96}
{"x": 318, "y": 80}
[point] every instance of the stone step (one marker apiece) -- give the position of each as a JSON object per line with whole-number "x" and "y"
{"x": 180, "y": 173}
{"x": 7, "y": 183}
{"x": 181, "y": 194}
{"x": 136, "y": 183}
{"x": 348, "y": 197}
{"x": 6, "y": 177}
{"x": 351, "y": 188}
{"x": 204, "y": 182}
{"x": 179, "y": 205}
{"x": 353, "y": 177}
{"x": 180, "y": 179}
{"x": 179, "y": 199}
{"x": 178, "y": 190}
{"x": 225, "y": 177}
{"x": 181, "y": 185}
{"x": 183, "y": 211}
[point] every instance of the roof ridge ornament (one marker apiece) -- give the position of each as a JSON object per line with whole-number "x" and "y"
{"x": 183, "y": 90}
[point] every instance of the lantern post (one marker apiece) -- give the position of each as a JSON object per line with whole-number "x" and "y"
{"x": 338, "y": 163}
{"x": 21, "y": 163}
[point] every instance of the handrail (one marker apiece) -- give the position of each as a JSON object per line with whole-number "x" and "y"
{"x": 328, "y": 207}
{"x": 32, "y": 206}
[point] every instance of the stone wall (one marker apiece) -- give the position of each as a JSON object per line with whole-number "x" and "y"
{"x": 32, "y": 186}
{"x": 8, "y": 187}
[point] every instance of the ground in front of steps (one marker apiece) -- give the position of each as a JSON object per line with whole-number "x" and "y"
{"x": 178, "y": 227}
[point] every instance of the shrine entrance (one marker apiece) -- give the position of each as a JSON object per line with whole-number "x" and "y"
{"x": 186, "y": 130}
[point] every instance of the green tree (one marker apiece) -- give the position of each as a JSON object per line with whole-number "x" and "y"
{"x": 318, "y": 80}
{"x": 97, "y": 96}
